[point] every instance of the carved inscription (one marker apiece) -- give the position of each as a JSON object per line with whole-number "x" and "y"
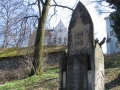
{"x": 100, "y": 81}
{"x": 80, "y": 39}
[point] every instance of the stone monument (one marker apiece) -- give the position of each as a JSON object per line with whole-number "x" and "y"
{"x": 77, "y": 66}
{"x": 97, "y": 65}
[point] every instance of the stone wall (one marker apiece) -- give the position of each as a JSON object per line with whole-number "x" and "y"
{"x": 51, "y": 59}
{"x": 14, "y": 68}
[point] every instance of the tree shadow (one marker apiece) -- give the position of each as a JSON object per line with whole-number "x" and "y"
{"x": 113, "y": 83}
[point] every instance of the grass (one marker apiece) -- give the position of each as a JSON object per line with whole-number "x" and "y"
{"x": 112, "y": 74}
{"x": 46, "y": 81}
{"x": 49, "y": 80}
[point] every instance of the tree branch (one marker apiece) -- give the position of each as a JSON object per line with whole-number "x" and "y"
{"x": 53, "y": 14}
{"x": 56, "y": 5}
{"x": 34, "y": 3}
{"x": 55, "y": 2}
{"x": 39, "y": 8}
{"x": 43, "y": 4}
{"x": 24, "y": 18}
{"x": 62, "y": 6}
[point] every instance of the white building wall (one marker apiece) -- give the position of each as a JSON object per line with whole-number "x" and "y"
{"x": 111, "y": 46}
{"x": 61, "y": 34}
{"x": 58, "y": 32}
{"x": 108, "y": 48}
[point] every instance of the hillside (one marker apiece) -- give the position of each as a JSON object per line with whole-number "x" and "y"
{"x": 50, "y": 79}
{"x": 112, "y": 71}
{"x": 47, "y": 81}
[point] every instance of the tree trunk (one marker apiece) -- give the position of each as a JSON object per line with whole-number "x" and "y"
{"x": 38, "y": 50}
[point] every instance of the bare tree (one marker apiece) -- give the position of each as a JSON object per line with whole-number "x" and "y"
{"x": 18, "y": 19}
{"x": 102, "y": 6}
{"x": 43, "y": 7}
{"x": 8, "y": 17}
{"x": 13, "y": 27}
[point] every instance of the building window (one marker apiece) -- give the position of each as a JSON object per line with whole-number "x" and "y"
{"x": 60, "y": 40}
{"x": 111, "y": 22}
{"x": 60, "y": 30}
{"x": 54, "y": 40}
{"x": 111, "y": 33}
{"x": 117, "y": 44}
{"x": 65, "y": 41}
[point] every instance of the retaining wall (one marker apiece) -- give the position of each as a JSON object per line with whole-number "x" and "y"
{"x": 14, "y": 68}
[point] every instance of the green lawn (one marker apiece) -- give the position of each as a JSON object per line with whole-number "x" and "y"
{"x": 46, "y": 81}
{"x": 112, "y": 74}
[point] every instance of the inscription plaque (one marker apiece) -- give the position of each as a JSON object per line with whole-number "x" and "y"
{"x": 80, "y": 38}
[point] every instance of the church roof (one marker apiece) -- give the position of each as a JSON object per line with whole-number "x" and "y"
{"x": 60, "y": 24}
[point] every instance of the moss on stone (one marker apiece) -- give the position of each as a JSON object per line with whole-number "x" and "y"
{"x": 12, "y": 52}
